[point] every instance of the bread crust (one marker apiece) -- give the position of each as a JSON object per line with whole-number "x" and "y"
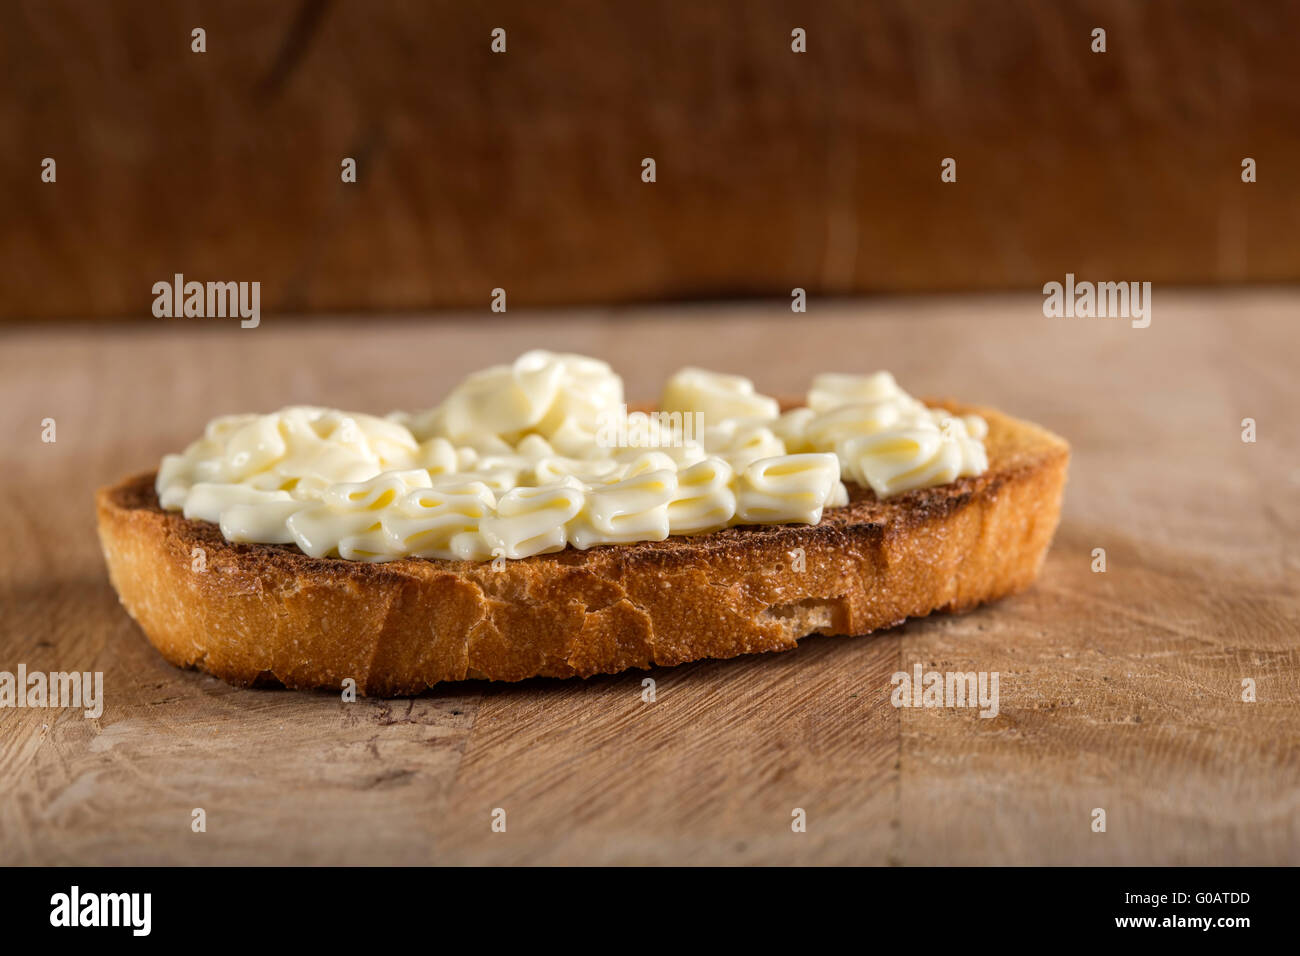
{"x": 256, "y": 614}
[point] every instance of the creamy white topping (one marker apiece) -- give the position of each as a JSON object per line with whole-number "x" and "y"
{"x": 517, "y": 461}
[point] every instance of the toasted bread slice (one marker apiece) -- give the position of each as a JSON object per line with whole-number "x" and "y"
{"x": 256, "y": 614}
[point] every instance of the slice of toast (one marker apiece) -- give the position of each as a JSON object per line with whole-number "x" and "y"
{"x": 256, "y": 614}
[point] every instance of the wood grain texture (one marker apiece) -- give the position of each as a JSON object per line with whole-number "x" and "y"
{"x": 522, "y": 171}
{"x": 1119, "y": 690}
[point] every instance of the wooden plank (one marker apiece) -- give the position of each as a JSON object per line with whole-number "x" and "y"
{"x": 1119, "y": 690}
{"x": 522, "y": 170}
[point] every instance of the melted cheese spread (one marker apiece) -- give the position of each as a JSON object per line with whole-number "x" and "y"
{"x": 542, "y": 454}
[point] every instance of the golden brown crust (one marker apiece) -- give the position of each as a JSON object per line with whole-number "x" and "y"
{"x": 254, "y": 614}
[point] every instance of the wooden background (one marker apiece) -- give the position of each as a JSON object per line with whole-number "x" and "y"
{"x": 522, "y": 170}
{"x": 1118, "y": 690}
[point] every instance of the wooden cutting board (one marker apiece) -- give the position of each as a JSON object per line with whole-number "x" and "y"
{"x": 1119, "y": 690}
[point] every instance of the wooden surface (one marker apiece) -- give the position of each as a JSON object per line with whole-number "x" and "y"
{"x": 522, "y": 170}
{"x": 1119, "y": 690}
